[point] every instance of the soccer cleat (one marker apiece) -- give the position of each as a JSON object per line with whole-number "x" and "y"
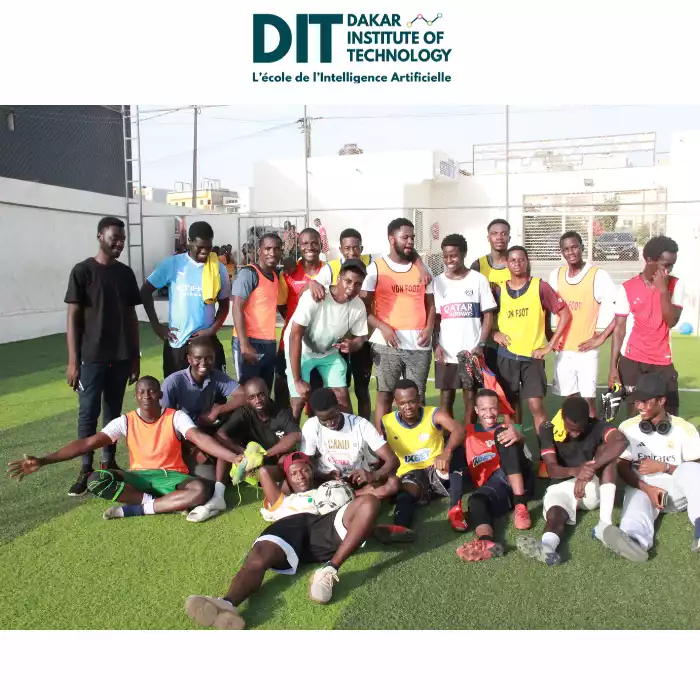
{"x": 534, "y": 549}
{"x": 695, "y": 547}
{"x": 465, "y": 368}
{"x": 394, "y": 534}
{"x": 479, "y": 550}
{"x": 321, "y": 584}
{"x": 213, "y": 612}
{"x": 80, "y": 486}
{"x": 457, "y": 520}
{"x": 253, "y": 457}
{"x": 113, "y": 513}
{"x": 621, "y": 543}
{"x": 612, "y": 401}
{"x": 521, "y": 517}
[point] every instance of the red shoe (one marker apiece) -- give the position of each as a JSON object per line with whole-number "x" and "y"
{"x": 392, "y": 534}
{"x": 479, "y": 550}
{"x": 457, "y": 519}
{"x": 542, "y": 472}
{"x": 521, "y": 517}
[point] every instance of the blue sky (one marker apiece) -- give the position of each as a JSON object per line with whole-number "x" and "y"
{"x": 232, "y": 138}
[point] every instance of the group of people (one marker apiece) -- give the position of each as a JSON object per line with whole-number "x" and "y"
{"x": 489, "y": 327}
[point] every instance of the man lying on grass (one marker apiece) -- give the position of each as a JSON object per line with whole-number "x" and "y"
{"x": 158, "y": 480}
{"x": 297, "y": 534}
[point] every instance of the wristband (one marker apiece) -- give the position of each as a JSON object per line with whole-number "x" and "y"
{"x": 667, "y": 468}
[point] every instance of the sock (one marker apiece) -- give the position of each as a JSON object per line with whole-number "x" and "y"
{"x": 520, "y": 500}
{"x": 228, "y": 600}
{"x": 131, "y": 511}
{"x": 405, "y": 507}
{"x": 149, "y": 508}
{"x": 607, "y": 501}
{"x": 147, "y": 498}
{"x": 486, "y": 538}
{"x": 456, "y": 488}
{"x": 333, "y": 566}
{"x": 697, "y": 528}
{"x": 550, "y": 541}
{"x": 219, "y": 489}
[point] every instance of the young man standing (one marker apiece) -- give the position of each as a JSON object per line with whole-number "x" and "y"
{"x": 523, "y": 303}
{"x": 255, "y": 297}
{"x": 646, "y": 308}
{"x": 292, "y": 285}
{"x": 415, "y": 434}
{"x": 102, "y": 335}
{"x": 196, "y": 281}
{"x": 403, "y": 317}
{"x": 318, "y": 330}
{"x": 584, "y": 288}
{"x": 502, "y": 476}
{"x": 325, "y": 248}
{"x": 298, "y": 534}
{"x": 464, "y": 311}
{"x": 494, "y": 267}
{"x": 359, "y": 362}
{"x": 660, "y": 468}
{"x": 157, "y": 481}
{"x": 589, "y": 447}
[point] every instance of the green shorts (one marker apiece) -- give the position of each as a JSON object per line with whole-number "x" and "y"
{"x": 157, "y": 482}
{"x": 332, "y": 368}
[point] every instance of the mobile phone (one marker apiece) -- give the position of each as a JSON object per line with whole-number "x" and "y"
{"x": 664, "y": 499}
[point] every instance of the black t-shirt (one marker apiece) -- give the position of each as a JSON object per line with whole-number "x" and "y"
{"x": 573, "y": 453}
{"x": 105, "y": 292}
{"x": 245, "y": 426}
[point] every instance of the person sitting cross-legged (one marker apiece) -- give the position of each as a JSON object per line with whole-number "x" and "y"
{"x": 573, "y": 460}
{"x": 502, "y": 473}
{"x": 158, "y": 480}
{"x": 298, "y": 534}
{"x": 415, "y": 434}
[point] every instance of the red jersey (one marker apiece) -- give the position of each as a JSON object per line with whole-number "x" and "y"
{"x": 482, "y": 455}
{"x": 295, "y": 283}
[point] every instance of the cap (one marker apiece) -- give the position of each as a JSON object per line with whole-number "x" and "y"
{"x": 354, "y": 264}
{"x": 292, "y": 458}
{"x": 649, "y": 386}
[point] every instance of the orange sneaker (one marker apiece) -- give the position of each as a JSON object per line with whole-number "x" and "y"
{"x": 521, "y": 517}
{"x": 393, "y": 534}
{"x": 479, "y": 550}
{"x": 542, "y": 472}
{"x": 457, "y": 520}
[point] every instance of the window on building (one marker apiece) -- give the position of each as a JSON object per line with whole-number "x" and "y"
{"x": 208, "y": 201}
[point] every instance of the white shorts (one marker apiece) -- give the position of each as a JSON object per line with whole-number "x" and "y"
{"x": 575, "y": 373}
{"x": 562, "y": 495}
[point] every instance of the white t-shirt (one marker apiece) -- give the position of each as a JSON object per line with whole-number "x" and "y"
{"x": 293, "y": 504}
{"x": 604, "y": 291}
{"x": 326, "y": 323}
{"x": 343, "y": 450}
{"x": 408, "y": 340}
{"x": 460, "y": 304}
{"x": 682, "y": 444}
{"x": 117, "y": 428}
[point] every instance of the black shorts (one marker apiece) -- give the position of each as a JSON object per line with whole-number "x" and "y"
{"x": 280, "y": 363}
{"x": 175, "y": 359}
{"x": 524, "y": 378}
{"x": 360, "y": 367}
{"x": 630, "y": 372}
{"x": 306, "y": 538}
{"x": 447, "y": 377}
{"x": 427, "y": 480}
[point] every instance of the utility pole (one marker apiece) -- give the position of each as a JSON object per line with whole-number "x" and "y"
{"x": 307, "y": 154}
{"x": 194, "y": 160}
{"x": 507, "y": 164}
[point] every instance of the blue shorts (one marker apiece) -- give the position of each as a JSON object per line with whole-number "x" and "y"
{"x": 332, "y": 368}
{"x": 265, "y": 366}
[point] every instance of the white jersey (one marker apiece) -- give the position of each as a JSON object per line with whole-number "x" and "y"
{"x": 681, "y": 444}
{"x": 341, "y": 450}
{"x": 293, "y": 504}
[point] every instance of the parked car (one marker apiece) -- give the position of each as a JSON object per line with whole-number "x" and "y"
{"x": 616, "y": 245}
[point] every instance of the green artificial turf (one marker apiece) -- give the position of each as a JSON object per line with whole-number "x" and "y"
{"x": 63, "y": 567}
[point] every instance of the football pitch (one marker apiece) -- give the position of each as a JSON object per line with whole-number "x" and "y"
{"x": 63, "y": 567}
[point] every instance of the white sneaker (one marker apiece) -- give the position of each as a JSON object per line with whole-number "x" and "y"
{"x": 321, "y": 584}
{"x": 213, "y": 612}
{"x": 113, "y": 512}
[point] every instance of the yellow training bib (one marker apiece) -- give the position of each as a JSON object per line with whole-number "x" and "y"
{"x": 522, "y": 319}
{"x": 416, "y": 447}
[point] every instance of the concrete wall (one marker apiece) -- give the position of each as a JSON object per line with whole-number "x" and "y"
{"x": 45, "y": 230}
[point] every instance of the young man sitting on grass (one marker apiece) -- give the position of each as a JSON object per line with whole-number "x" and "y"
{"x": 297, "y": 534}
{"x": 588, "y": 447}
{"x": 503, "y": 479}
{"x": 158, "y": 480}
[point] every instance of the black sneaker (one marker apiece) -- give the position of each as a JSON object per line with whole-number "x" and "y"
{"x": 80, "y": 486}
